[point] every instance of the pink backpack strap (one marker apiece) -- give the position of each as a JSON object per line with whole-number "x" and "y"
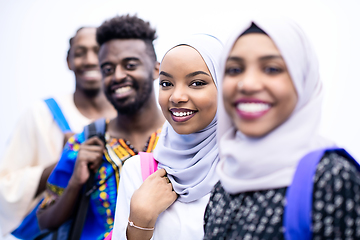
{"x": 148, "y": 164}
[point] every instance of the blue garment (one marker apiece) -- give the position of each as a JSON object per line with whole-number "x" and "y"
{"x": 100, "y": 215}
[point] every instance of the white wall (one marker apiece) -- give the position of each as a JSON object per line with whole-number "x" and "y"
{"x": 34, "y": 39}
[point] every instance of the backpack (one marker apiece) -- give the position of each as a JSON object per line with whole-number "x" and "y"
{"x": 297, "y": 213}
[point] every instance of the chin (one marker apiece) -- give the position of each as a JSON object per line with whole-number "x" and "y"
{"x": 182, "y": 131}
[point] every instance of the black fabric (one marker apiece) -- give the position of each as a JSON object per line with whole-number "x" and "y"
{"x": 253, "y": 29}
{"x": 259, "y": 214}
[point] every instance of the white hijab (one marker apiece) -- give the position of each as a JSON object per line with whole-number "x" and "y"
{"x": 269, "y": 162}
{"x": 190, "y": 160}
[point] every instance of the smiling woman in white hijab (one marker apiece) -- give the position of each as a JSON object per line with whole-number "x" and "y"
{"x": 170, "y": 204}
{"x": 270, "y": 151}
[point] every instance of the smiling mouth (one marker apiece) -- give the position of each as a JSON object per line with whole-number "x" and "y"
{"x": 181, "y": 115}
{"x": 123, "y": 90}
{"x": 92, "y": 74}
{"x": 252, "y": 110}
{"x": 253, "y": 107}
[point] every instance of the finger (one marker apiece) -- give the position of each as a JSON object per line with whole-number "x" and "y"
{"x": 160, "y": 173}
{"x": 174, "y": 195}
{"x": 94, "y": 141}
{"x": 92, "y": 148}
{"x": 167, "y": 180}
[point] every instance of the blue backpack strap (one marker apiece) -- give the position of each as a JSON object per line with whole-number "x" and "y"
{"x": 58, "y": 115}
{"x": 297, "y": 213}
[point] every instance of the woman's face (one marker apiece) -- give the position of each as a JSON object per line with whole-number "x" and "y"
{"x": 257, "y": 89}
{"x": 187, "y": 95}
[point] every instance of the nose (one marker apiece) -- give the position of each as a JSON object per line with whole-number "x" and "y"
{"x": 91, "y": 59}
{"x": 119, "y": 73}
{"x": 250, "y": 81}
{"x": 178, "y": 95}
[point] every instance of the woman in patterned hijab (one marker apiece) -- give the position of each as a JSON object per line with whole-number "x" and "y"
{"x": 269, "y": 110}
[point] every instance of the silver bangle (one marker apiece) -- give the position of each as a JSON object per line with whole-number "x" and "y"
{"x": 141, "y": 228}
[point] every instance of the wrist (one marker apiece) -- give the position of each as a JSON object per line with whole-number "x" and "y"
{"x": 142, "y": 219}
{"x": 74, "y": 183}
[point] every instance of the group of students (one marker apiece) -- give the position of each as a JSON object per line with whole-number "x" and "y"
{"x": 235, "y": 153}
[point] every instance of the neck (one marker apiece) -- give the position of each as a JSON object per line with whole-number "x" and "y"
{"x": 93, "y": 106}
{"x": 147, "y": 120}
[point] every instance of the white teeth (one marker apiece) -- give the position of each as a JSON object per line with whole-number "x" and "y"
{"x": 181, "y": 114}
{"x": 123, "y": 90}
{"x": 253, "y": 107}
{"x": 92, "y": 73}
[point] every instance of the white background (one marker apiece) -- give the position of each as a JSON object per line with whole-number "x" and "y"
{"x": 34, "y": 39}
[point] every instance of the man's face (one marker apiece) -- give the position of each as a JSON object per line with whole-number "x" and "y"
{"x": 128, "y": 73}
{"x": 83, "y": 60}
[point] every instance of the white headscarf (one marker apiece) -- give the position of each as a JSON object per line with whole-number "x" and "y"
{"x": 190, "y": 160}
{"x": 249, "y": 164}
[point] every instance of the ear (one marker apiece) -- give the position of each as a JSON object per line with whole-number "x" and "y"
{"x": 68, "y": 62}
{"x": 156, "y": 70}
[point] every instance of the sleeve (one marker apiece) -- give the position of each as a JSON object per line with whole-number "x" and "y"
{"x": 130, "y": 181}
{"x": 35, "y": 144}
{"x": 336, "y": 199}
{"x": 60, "y": 176}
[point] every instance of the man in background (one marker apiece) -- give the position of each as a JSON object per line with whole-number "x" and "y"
{"x": 40, "y": 134}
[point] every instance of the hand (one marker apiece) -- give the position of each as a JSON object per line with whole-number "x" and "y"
{"x": 89, "y": 157}
{"x": 153, "y": 197}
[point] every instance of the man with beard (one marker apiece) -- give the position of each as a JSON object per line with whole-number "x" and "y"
{"x": 129, "y": 67}
{"x": 38, "y": 140}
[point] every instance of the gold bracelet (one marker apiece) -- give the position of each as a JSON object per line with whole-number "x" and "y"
{"x": 141, "y": 228}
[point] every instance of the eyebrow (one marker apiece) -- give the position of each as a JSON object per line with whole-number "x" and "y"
{"x": 264, "y": 58}
{"x": 269, "y": 57}
{"x": 131, "y": 59}
{"x": 193, "y": 74}
{"x": 236, "y": 59}
{"x": 166, "y": 74}
{"x": 124, "y": 60}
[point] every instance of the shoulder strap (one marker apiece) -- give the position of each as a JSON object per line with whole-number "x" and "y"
{"x": 97, "y": 128}
{"x": 58, "y": 115}
{"x": 148, "y": 164}
{"x": 297, "y": 213}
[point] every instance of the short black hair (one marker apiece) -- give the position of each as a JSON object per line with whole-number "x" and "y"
{"x": 71, "y": 40}
{"x": 127, "y": 27}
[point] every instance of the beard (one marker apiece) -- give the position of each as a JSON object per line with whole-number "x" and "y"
{"x": 133, "y": 105}
{"x": 91, "y": 93}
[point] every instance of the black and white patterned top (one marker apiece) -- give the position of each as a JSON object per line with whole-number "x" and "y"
{"x": 259, "y": 215}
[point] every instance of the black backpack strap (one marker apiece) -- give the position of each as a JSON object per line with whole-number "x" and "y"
{"x": 96, "y": 128}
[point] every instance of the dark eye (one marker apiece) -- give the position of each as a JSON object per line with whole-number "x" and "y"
{"x": 165, "y": 84}
{"x": 79, "y": 53}
{"x": 272, "y": 70}
{"x": 233, "y": 70}
{"x": 198, "y": 83}
{"x": 131, "y": 66}
{"x": 107, "y": 70}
